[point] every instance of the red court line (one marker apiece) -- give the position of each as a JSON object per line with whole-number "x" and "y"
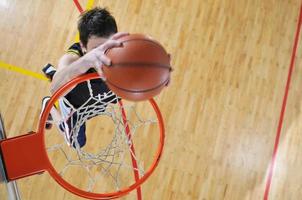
{"x": 291, "y": 67}
{"x": 78, "y": 5}
{"x": 134, "y": 163}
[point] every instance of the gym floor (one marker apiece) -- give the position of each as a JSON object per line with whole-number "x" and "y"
{"x": 232, "y": 103}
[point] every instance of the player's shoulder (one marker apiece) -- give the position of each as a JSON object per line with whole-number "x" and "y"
{"x": 75, "y": 49}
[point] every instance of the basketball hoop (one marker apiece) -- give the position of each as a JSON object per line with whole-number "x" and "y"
{"x": 105, "y": 170}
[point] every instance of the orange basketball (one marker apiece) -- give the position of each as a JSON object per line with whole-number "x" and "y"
{"x": 139, "y": 69}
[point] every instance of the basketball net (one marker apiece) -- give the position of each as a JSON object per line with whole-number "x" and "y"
{"x": 108, "y": 160}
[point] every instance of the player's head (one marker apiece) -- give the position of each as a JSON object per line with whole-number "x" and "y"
{"x": 95, "y": 26}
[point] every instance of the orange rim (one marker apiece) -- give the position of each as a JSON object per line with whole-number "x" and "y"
{"x": 91, "y": 195}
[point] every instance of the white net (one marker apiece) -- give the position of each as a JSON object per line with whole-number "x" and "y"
{"x": 102, "y": 144}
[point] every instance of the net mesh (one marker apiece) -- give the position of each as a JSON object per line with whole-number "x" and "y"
{"x": 121, "y": 141}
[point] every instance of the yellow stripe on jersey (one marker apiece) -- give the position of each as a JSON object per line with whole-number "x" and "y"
{"x": 73, "y": 52}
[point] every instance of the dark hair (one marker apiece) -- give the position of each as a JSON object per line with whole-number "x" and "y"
{"x": 98, "y": 22}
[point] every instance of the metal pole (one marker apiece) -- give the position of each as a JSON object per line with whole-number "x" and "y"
{"x": 11, "y": 186}
{"x": 13, "y": 191}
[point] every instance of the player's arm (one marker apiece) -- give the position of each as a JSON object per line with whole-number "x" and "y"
{"x": 71, "y": 66}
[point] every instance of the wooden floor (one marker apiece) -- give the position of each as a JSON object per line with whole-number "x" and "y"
{"x": 230, "y": 59}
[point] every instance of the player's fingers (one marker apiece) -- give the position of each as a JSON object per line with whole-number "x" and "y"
{"x": 119, "y": 35}
{"x": 105, "y": 60}
{"x": 109, "y": 44}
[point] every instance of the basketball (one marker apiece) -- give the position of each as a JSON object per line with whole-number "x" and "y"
{"x": 139, "y": 69}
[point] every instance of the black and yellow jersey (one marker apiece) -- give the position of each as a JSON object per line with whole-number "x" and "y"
{"x": 80, "y": 94}
{"x": 75, "y": 49}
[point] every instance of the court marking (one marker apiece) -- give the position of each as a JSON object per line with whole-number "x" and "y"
{"x": 283, "y": 108}
{"x": 29, "y": 73}
{"x": 78, "y": 5}
{"x": 89, "y": 4}
{"x": 23, "y": 71}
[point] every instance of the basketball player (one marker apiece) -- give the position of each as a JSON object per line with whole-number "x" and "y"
{"x": 98, "y": 32}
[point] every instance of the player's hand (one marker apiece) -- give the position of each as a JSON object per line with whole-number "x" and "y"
{"x": 96, "y": 58}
